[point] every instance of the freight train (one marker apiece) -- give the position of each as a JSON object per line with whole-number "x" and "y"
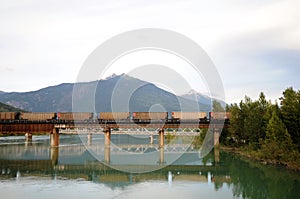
{"x": 103, "y": 117}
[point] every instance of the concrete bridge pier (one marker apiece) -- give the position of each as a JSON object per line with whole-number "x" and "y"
{"x": 161, "y": 134}
{"x": 28, "y": 139}
{"x": 161, "y": 156}
{"x": 107, "y": 154}
{"x": 28, "y": 136}
{"x": 89, "y": 139}
{"x": 54, "y": 155}
{"x": 217, "y": 154}
{"x": 107, "y": 133}
{"x": 161, "y": 138}
{"x": 217, "y": 133}
{"x": 151, "y": 139}
{"x": 54, "y": 138}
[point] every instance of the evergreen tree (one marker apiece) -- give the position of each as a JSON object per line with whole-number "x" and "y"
{"x": 254, "y": 120}
{"x": 290, "y": 110}
{"x": 236, "y": 124}
{"x": 278, "y": 143}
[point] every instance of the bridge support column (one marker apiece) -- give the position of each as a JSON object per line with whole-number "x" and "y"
{"x": 151, "y": 139}
{"x": 28, "y": 139}
{"x": 162, "y": 156}
{"x": 217, "y": 133}
{"x": 54, "y": 155}
{"x": 28, "y": 136}
{"x": 107, "y": 133}
{"x": 54, "y": 138}
{"x": 89, "y": 139}
{"x": 161, "y": 138}
{"x": 217, "y": 154}
{"x": 107, "y": 154}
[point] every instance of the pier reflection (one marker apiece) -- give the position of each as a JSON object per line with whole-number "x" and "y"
{"x": 74, "y": 157}
{"x": 121, "y": 151}
{"x": 72, "y": 160}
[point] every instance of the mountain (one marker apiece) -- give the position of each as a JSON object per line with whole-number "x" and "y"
{"x": 116, "y": 93}
{"x": 194, "y": 95}
{"x": 201, "y": 98}
{"x": 43, "y": 100}
{"x": 8, "y": 108}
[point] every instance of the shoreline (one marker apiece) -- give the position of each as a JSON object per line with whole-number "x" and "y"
{"x": 246, "y": 154}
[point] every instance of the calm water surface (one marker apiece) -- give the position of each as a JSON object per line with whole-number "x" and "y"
{"x": 34, "y": 170}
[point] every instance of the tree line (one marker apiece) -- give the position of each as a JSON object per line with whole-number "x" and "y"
{"x": 270, "y": 131}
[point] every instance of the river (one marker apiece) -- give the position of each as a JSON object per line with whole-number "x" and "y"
{"x": 132, "y": 168}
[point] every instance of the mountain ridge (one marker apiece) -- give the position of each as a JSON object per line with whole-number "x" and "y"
{"x": 128, "y": 93}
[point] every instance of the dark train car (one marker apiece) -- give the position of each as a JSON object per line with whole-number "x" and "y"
{"x": 184, "y": 116}
{"x": 114, "y": 116}
{"x": 77, "y": 116}
{"x": 149, "y": 116}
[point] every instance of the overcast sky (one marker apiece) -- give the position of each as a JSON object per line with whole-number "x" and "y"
{"x": 255, "y": 45}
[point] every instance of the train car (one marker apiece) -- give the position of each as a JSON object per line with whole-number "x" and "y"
{"x": 219, "y": 116}
{"x": 180, "y": 116}
{"x": 7, "y": 115}
{"x": 78, "y": 116}
{"x": 38, "y": 116}
{"x": 148, "y": 116}
{"x": 114, "y": 116}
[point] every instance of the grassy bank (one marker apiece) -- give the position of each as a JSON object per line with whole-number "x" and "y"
{"x": 292, "y": 163}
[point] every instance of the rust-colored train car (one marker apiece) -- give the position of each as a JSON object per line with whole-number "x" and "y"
{"x": 188, "y": 115}
{"x": 70, "y": 116}
{"x": 38, "y": 116}
{"x": 219, "y": 115}
{"x": 147, "y": 116}
{"x": 7, "y": 115}
{"x": 113, "y": 116}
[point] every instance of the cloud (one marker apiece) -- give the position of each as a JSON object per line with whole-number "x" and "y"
{"x": 254, "y": 44}
{"x": 258, "y": 61}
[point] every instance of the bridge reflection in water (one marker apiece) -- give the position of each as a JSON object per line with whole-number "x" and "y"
{"x": 71, "y": 163}
{"x": 78, "y": 157}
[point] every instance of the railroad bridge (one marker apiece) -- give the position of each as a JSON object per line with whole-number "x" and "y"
{"x": 53, "y": 127}
{"x": 56, "y": 127}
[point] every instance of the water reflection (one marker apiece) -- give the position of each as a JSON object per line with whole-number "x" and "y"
{"x": 170, "y": 178}
{"x": 71, "y": 164}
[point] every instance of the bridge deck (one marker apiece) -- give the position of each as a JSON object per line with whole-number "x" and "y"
{"x": 46, "y": 126}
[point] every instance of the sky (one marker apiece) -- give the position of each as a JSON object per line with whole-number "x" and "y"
{"x": 255, "y": 45}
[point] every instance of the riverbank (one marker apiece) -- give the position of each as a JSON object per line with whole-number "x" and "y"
{"x": 252, "y": 155}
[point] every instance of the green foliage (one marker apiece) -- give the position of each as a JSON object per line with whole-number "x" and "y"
{"x": 290, "y": 110}
{"x": 248, "y": 121}
{"x": 266, "y": 130}
{"x": 278, "y": 142}
{"x": 276, "y": 131}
